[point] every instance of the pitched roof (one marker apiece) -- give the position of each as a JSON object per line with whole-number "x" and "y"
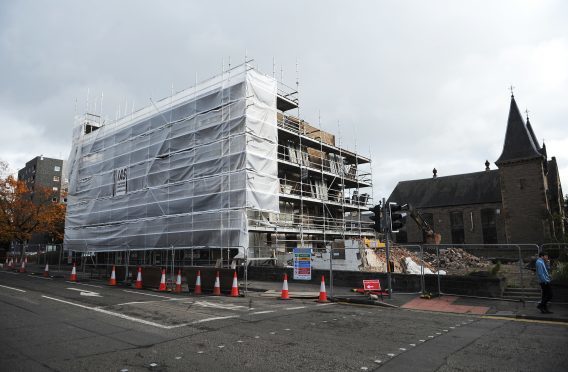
{"x": 460, "y": 189}
{"x": 519, "y": 143}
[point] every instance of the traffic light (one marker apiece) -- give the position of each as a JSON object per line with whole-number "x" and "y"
{"x": 397, "y": 215}
{"x": 376, "y": 217}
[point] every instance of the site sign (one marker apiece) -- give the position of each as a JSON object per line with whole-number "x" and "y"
{"x": 302, "y": 264}
{"x": 372, "y": 285}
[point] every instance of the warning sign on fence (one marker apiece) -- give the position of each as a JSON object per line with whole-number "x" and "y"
{"x": 302, "y": 263}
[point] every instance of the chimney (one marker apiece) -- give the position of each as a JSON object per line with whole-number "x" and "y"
{"x": 486, "y": 165}
{"x": 435, "y": 173}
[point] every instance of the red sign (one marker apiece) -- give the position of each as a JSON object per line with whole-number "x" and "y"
{"x": 372, "y": 285}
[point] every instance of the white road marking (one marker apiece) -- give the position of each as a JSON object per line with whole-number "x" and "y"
{"x": 119, "y": 315}
{"x": 378, "y": 361}
{"x": 422, "y": 340}
{"x": 401, "y": 349}
{"x": 178, "y": 358}
{"x": 219, "y": 306}
{"x": 364, "y": 368}
{"x": 256, "y": 336}
{"x": 12, "y": 288}
{"x": 412, "y": 345}
{"x": 445, "y": 330}
{"x": 39, "y": 277}
{"x": 88, "y": 285}
{"x": 147, "y": 294}
{"x": 221, "y": 346}
{"x": 200, "y": 352}
{"x": 331, "y": 303}
{"x": 214, "y": 318}
{"x": 272, "y": 333}
{"x": 239, "y": 341}
{"x": 295, "y": 308}
{"x": 263, "y": 312}
{"x": 85, "y": 293}
{"x": 9, "y": 272}
{"x": 135, "y": 302}
{"x": 390, "y": 354}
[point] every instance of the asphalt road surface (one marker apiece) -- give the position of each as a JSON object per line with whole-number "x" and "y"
{"x": 55, "y": 325}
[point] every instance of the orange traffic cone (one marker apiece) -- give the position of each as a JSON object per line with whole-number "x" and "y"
{"x": 112, "y": 280}
{"x": 198, "y": 283}
{"x": 23, "y": 267}
{"x": 73, "y": 277}
{"x": 138, "y": 283}
{"x": 178, "y": 282}
{"x": 217, "y": 287}
{"x": 162, "y": 281}
{"x": 323, "y": 294}
{"x": 285, "y": 295}
{"x": 235, "y": 287}
{"x": 46, "y": 271}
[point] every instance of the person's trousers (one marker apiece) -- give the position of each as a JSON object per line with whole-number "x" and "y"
{"x": 546, "y": 293}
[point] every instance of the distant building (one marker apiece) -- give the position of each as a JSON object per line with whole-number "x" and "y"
{"x": 45, "y": 172}
{"x": 520, "y": 202}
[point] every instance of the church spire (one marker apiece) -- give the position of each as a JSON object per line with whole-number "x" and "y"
{"x": 519, "y": 143}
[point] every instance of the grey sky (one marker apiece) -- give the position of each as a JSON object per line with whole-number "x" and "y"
{"x": 420, "y": 84}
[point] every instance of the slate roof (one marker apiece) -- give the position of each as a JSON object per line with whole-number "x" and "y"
{"x": 460, "y": 189}
{"x": 520, "y": 141}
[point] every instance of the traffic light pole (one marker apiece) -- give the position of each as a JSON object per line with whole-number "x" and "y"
{"x": 387, "y": 245}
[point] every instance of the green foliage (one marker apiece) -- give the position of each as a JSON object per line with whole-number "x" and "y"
{"x": 495, "y": 269}
{"x": 560, "y": 272}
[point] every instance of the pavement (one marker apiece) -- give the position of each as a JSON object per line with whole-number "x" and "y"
{"x": 53, "y": 324}
{"x": 445, "y": 303}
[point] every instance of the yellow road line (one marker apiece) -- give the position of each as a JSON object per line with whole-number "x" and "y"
{"x": 525, "y": 320}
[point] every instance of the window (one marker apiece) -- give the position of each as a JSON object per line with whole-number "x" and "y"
{"x": 456, "y": 220}
{"x": 57, "y": 168}
{"x": 489, "y": 225}
{"x": 55, "y": 189}
{"x": 56, "y": 178}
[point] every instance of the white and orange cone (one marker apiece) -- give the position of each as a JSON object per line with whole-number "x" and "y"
{"x": 162, "y": 286}
{"x": 285, "y": 295}
{"x": 138, "y": 283}
{"x": 198, "y": 283}
{"x": 235, "y": 287}
{"x": 112, "y": 280}
{"x": 178, "y": 282}
{"x": 217, "y": 286}
{"x": 73, "y": 277}
{"x": 23, "y": 267}
{"x": 11, "y": 264}
{"x": 46, "y": 271}
{"x": 323, "y": 293}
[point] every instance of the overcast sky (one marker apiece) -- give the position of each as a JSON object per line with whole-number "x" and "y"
{"x": 417, "y": 84}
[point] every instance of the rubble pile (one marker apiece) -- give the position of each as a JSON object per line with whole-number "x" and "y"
{"x": 452, "y": 260}
{"x": 455, "y": 260}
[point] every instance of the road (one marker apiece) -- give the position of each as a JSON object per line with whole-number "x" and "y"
{"x": 55, "y": 325}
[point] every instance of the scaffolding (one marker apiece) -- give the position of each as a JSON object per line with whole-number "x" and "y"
{"x": 220, "y": 167}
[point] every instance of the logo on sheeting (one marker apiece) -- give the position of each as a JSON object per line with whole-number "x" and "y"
{"x": 120, "y": 181}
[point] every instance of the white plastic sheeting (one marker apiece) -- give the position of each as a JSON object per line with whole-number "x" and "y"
{"x": 181, "y": 172}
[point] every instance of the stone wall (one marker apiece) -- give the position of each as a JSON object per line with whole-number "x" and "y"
{"x": 523, "y": 190}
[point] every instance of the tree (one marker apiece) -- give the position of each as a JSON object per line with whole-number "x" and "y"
{"x": 24, "y": 212}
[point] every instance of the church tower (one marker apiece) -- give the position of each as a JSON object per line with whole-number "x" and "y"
{"x": 523, "y": 177}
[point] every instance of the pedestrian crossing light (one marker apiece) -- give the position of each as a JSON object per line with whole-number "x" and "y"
{"x": 376, "y": 217}
{"x": 397, "y": 214}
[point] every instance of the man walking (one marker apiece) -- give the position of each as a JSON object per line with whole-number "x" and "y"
{"x": 543, "y": 276}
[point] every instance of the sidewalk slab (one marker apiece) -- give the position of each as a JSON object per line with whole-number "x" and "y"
{"x": 444, "y": 304}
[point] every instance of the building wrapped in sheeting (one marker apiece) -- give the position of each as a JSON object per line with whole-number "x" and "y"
{"x": 179, "y": 173}
{"x": 213, "y": 172}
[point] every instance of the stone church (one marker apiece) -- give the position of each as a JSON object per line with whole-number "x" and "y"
{"x": 520, "y": 202}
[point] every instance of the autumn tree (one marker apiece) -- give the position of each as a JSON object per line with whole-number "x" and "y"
{"x": 24, "y": 212}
